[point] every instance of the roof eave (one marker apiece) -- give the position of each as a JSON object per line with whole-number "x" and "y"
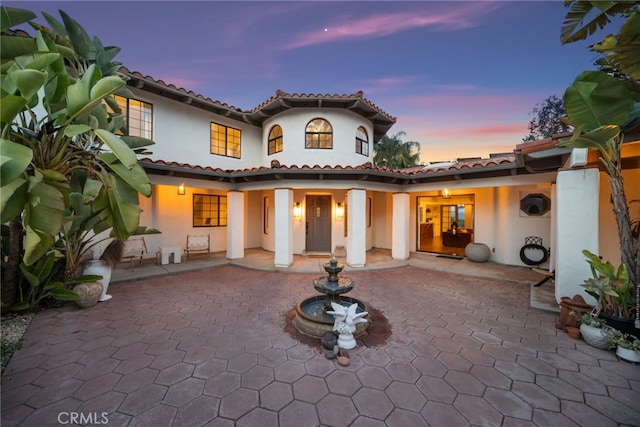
{"x": 330, "y": 174}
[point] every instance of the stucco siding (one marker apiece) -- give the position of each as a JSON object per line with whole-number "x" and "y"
{"x": 253, "y": 219}
{"x": 294, "y": 122}
{"x": 182, "y": 134}
{"x": 608, "y": 232}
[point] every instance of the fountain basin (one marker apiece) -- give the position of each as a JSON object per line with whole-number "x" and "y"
{"x": 311, "y": 318}
{"x": 337, "y": 287}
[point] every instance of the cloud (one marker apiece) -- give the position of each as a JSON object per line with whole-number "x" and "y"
{"x": 388, "y": 84}
{"x": 471, "y": 132}
{"x": 453, "y": 18}
{"x": 464, "y": 101}
{"x": 447, "y": 136}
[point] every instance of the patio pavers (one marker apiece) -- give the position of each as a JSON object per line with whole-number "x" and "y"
{"x": 216, "y": 347}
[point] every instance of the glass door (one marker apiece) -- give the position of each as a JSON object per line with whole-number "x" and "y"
{"x": 436, "y": 215}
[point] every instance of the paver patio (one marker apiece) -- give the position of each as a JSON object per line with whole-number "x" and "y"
{"x": 216, "y": 347}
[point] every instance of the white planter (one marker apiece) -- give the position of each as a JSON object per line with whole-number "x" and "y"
{"x": 100, "y": 268}
{"x": 596, "y": 337}
{"x": 628, "y": 354}
{"x": 477, "y": 252}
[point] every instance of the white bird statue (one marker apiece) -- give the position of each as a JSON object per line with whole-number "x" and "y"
{"x": 345, "y": 321}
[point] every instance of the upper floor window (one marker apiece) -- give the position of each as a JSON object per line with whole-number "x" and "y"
{"x": 138, "y": 116}
{"x": 319, "y": 134}
{"x": 362, "y": 141}
{"x": 275, "y": 140}
{"x": 209, "y": 210}
{"x": 225, "y": 141}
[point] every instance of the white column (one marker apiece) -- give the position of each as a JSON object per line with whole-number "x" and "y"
{"x": 400, "y": 226}
{"x": 283, "y": 205}
{"x": 357, "y": 227}
{"x": 576, "y": 229}
{"x": 235, "y": 224}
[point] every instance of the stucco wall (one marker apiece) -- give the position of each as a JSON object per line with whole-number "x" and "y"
{"x": 381, "y": 221}
{"x": 172, "y": 215}
{"x": 497, "y": 220}
{"x": 500, "y": 212}
{"x": 608, "y": 232}
{"x": 252, "y": 219}
{"x": 294, "y": 122}
{"x": 267, "y": 235}
{"x": 177, "y": 126}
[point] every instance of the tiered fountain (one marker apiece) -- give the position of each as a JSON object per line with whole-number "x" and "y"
{"x": 311, "y": 313}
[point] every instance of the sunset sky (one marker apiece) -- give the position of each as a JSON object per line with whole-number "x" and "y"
{"x": 461, "y": 77}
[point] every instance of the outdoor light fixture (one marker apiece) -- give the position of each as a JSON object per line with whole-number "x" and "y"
{"x": 297, "y": 210}
{"x": 181, "y": 189}
{"x": 446, "y": 194}
{"x": 339, "y": 211}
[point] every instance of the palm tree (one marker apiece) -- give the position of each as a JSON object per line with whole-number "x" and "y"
{"x": 391, "y": 152}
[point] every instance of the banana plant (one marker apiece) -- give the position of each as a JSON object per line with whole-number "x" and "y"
{"x": 602, "y": 104}
{"x": 58, "y": 117}
{"x": 39, "y": 283}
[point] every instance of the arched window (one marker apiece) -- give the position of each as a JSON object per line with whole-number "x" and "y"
{"x": 319, "y": 134}
{"x": 362, "y": 142}
{"x": 275, "y": 140}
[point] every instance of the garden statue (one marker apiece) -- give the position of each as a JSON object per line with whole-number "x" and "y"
{"x": 345, "y": 323}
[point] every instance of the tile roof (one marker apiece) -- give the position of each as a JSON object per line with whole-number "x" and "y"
{"x": 363, "y": 171}
{"x": 282, "y": 101}
{"x": 190, "y": 93}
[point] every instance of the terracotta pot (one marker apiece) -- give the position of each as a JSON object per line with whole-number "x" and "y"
{"x": 573, "y": 332}
{"x": 567, "y": 305}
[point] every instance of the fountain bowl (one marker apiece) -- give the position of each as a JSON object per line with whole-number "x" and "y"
{"x": 311, "y": 319}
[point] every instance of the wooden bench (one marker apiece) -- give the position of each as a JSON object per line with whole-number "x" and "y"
{"x": 135, "y": 249}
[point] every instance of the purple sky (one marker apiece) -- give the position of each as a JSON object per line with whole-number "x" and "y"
{"x": 461, "y": 77}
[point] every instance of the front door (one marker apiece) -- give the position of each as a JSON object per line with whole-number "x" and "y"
{"x": 318, "y": 224}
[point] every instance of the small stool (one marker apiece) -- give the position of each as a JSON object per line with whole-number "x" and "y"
{"x": 175, "y": 252}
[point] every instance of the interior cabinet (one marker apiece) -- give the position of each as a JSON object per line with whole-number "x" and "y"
{"x": 458, "y": 240}
{"x": 426, "y": 231}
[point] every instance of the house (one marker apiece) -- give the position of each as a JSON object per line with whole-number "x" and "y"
{"x": 294, "y": 176}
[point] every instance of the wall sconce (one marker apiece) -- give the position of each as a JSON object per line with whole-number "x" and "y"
{"x": 446, "y": 194}
{"x": 297, "y": 210}
{"x": 181, "y": 189}
{"x": 339, "y": 211}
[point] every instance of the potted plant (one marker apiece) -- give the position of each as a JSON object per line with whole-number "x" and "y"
{"x": 627, "y": 346}
{"x": 103, "y": 262}
{"x": 613, "y": 291}
{"x": 593, "y": 329}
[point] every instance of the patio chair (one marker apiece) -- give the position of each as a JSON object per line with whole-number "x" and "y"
{"x": 135, "y": 249}
{"x": 197, "y": 245}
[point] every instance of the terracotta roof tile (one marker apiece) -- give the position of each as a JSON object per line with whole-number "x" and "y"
{"x": 279, "y": 94}
{"x": 356, "y": 95}
{"x": 417, "y": 171}
{"x": 180, "y": 89}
